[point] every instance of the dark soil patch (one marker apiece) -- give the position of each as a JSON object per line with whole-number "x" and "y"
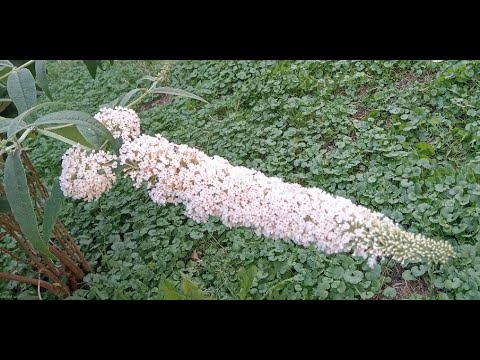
{"x": 328, "y": 145}
{"x": 405, "y": 288}
{"x": 361, "y": 112}
{"x": 339, "y": 92}
{"x": 407, "y": 78}
{"x": 362, "y": 91}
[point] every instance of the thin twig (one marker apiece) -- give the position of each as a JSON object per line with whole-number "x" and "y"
{"x": 16, "y": 257}
{"x": 26, "y": 280}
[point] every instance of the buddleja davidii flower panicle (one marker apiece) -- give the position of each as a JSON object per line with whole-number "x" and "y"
{"x": 86, "y": 175}
{"x": 402, "y": 246}
{"x": 122, "y": 122}
{"x": 211, "y": 186}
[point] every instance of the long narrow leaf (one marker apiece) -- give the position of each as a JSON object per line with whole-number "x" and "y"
{"x": 80, "y": 119}
{"x": 6, "y": 63}
{"x": 5, "y": 124}
{"x": 128, "y": 96}
{"x": 52, "y": 209}
{"x": 111, "y": 104}
{"x": 247, "y": 276}
{"x": 23, "y": 118}
{"x": 177, "y": 92}
{"x": 18, "y": 197}
{"x": 72, "y": 133}
{"x": 92, "y": 67}
{"x": 21, "y": 89}
{"x": 61, "y": 138}
{"x": 42, "y": 79}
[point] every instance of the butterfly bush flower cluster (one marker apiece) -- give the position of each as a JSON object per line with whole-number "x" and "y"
{"x": 211, "y": 186}
{"x": 122, "y": 122}
{"x": 86, "y": 175}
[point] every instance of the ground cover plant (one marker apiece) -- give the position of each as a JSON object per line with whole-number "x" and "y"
{"x": 399, "y": 137}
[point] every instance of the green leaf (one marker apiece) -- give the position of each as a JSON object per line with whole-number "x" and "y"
{"x": 74, "y": 134}
{"x": 169, "y": 291}
{"x": 111, "y": 104}
{"x": 449, "y": 284}
{"x": 353, "y": 276}
{"x": 21, "y": 89}
{"x": 42, "y": 79}
{"x": 16, "y": 126}
{"x": 438, "y": 282}
{"x": 390, "y": 292}
{"x": 178, "y": 92}
{"x": 476, "y": 169}
{"x": 147, "y": 77}
{"x": 4, "y": 70}
{"x": 5, "y": 124}
{"x": 92, "y": 67}
{"x": 246, "y": 281}
{"x": 424, "y": 163}
{"x": 18, "y": 196}
{"x": 128, "y": 96}
{"x": 60, "y": 138}
{"x": 6, "y": 63}
{"x": 118, "y": 294}
{"x": 100, "y": 65}
{"x": 196, "y": 235}
{"x": 443, "y": 296}
{"x": 82, "y": 119}
{"x": 91, "y": 137}
{"x": 425, "y": 150}
{"x": 53, "y": 205}
{"x": 100, "y": 294}
{"x": 419, "y": 270}
{"x": 190, "y": 290}
{"x": 407, "y": 275}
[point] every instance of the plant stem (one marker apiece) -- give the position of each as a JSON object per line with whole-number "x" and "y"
{"x": 26, "y": 280}
{"x": 141, "y": 97}
{"x": 104, "y": 144}
{"x": 24, "y": 135}
{"x": 29, "y": 263}
{"x": 59, "y": 127}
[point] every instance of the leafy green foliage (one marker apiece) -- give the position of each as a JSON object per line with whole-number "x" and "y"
{"x": 188, "y": 290}
{"x": 247, "y": 276}
{"x": 400, "y": 137}
{"x": 390, "y": 292}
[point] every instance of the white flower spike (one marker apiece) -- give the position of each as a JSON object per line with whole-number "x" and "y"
{"x": 211, "y": 186}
